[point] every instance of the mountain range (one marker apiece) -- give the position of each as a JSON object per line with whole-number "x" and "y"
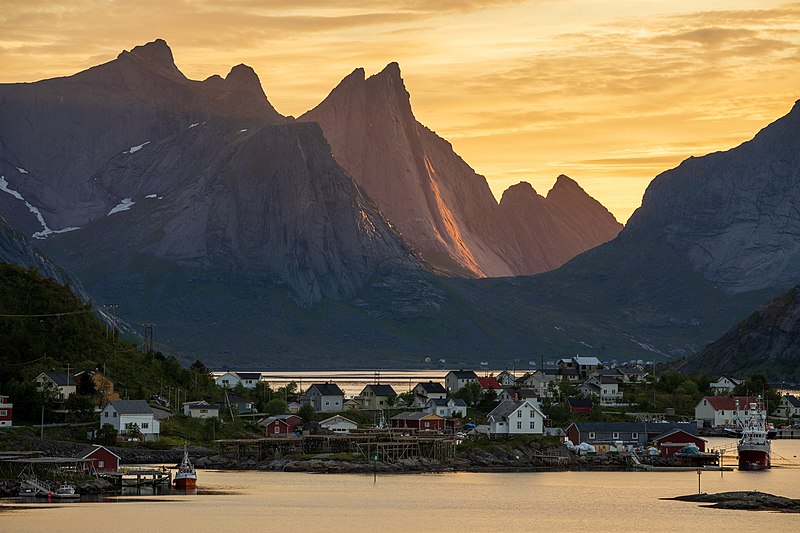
{"x": 355, "y": 236}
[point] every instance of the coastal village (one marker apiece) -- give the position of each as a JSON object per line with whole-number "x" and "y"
{"x": 576, "y": 413}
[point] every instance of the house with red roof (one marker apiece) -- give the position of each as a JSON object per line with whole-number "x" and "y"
{"x": 280, "y": 425}
{"x": 490, "y": 383}
{"x": 720, "y": 411}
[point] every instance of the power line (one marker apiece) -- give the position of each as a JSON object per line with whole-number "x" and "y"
{"x": 47, "y": 314}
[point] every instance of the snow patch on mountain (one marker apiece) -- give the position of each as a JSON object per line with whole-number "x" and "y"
{"x": 124, "y": 205}
{"x": 34, "y": 210}
{"x": 21, "y": 170}
{"x": 136, "y": 148}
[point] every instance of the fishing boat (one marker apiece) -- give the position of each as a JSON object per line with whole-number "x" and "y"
{"x": 754, "y": 446}
{"x": 65, "y": 491}
{"x": 186, "y": 478}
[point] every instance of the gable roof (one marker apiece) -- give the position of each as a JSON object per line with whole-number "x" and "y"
{"x": 283, "y": 419}
{"x": 61, "y": 379}
{"x": 590, "y": 361}
{"x": 463, "y": 374}
{"x": 132, "y": 407}
{"x": 249, "y": 375}
{"x": 432, "y": 387}
{"x": 327, "y": 389}
{"x": 728, "y": 403}
{"x": 675, "y": 431}
{"x": 444, "y": 402}
{"x": 86, "y": 452}
{"x": 381, "y": 390}
{"x": 417, "y": 415}
{"x": 506, "y": 407}
{"x": 793, "y": 400}
{"x": 334, "y": 417}
{"x": 489, "y": 383}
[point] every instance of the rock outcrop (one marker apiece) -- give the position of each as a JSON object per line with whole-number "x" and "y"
{"x": 733, "y": 215}
{"x": 437, "y": 201}
{"x": 767, "y": 342}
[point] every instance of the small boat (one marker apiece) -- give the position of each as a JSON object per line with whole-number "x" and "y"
{"x": 754, "y": 447}
{"x": 65, "y": 491}
{"x": 186, "y": 478}
{"x": 29, "y": 492}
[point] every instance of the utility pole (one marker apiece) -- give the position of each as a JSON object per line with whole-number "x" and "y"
{"x": 149, "y": 338}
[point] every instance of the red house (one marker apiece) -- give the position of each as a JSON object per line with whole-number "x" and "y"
{"x": 280, "y": 425}
{"x": 99, "y": 459}
{"x": 580, "y": 405}
{"x": 419, "y": 421}
{"x": 6, "y": 408}
{"x": 675, "y": 440}
{"x": 490, "y": 383}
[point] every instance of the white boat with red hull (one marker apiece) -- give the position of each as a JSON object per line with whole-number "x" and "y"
{"x": 754, "y": 446}
{"x": 186, "y": 477}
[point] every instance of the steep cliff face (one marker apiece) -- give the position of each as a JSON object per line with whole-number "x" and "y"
{"x": 766, "y": 342}
{"x": 137, "y": 168}
{"x": 438, "y": 202}
{"x": 733, "y": 215}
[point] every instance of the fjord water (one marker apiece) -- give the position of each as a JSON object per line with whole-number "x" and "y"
{"x": 550, "y": 501}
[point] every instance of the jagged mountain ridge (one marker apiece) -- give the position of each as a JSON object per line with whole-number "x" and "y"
{"x": 436, "y": 200}
{"x": 205, "y": 176}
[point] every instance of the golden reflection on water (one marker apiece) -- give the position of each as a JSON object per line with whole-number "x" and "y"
{"x": 563, "y": 501}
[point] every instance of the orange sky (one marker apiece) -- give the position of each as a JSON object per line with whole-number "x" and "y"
{"x": 608, "y": 92}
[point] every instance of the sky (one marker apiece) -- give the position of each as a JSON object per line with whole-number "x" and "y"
{"x": 610, "y": 93}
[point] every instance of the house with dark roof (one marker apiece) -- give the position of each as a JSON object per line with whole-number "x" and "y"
{"x": 605, "y": 388}
{"x": 61, "y": 383}
{"x": 446, "y": 407}
{"x": 580, "y": 405}
{"x": 506, "y": 378}
{"x": 325, "y": 397}
{"x": 788, "y": 407}
{"x": 229, "y": 380}
{"x": 522, "y": 417}
{"x": 131, "y": 418}
{"x": 428, "y": 390}
{"x": 725, "y": 385}
{"x": 720, "y": 411}
{"x": 200, "y": 409}
{"x": 513, "y": 394}
{"x": 455, "y": 380}
{"x": 601, "y": 435}
{"x": 377, "y": 396}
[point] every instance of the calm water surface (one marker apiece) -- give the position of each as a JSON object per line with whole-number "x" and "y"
{"x": 554, "y": 501}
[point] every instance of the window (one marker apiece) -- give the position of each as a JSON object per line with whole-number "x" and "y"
{"x": 519, "y": 414}
{"x": 533, "y": 424}
{"x": 327, "y": 403}
{"x": 591, "y": 435}
{"x": 519, "y": 425}
{"x": 146, "y": 425}
{"x": 615, "y": 435}
{"x": 3, "y": 412}
{"x": 722, "y": 413}
{"x": 277, "y": 428}
{"x": 635, "y": 436}
{"x": 101, "y": 464}
{"x": 106, "y": 414}
{"x": 114, "y": 414}
{"x": 427, "y": 424}
{"x": 532, "y": 413}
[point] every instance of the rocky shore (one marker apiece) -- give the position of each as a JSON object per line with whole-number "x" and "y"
{"x": 744, "y": 500}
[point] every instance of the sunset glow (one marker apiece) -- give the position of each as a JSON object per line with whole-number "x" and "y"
{"x": 609, "y": 93}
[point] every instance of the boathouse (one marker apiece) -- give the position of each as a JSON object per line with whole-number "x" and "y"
{"x": 98, "y": 459}
{"x": 280, "y": 425}
{"x": 418, "y": 420}
{"x": 675, "y": 440}
{"x": 604, "y": 434}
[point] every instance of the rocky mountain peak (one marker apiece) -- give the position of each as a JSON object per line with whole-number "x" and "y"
{"x": 522, "y": 191}
{"x": 158, "y": 54}
{"x": 244, "y": 76}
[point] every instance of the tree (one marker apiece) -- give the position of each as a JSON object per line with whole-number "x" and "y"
{"x": 276, "y": 406}
{"x": 488, "y": 401}
{"x": 106, "y": 435}
{"x": 79, "y": 405}
{"x": 307, "y": 413}
{"x": 86, "y": 386}
{"x": 757, "y": 385}
{"x": 470, "y": 393}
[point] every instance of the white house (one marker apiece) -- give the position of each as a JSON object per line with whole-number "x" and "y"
{"x": 506, "y": 378}
{"x": 125, "y": 414}
{"x": 229, "y": 380}
{"x": 430, "y": 390}
{"x": 61, "y": 382}
{"x": 603, "y": 387}
{"x": 455, "y": 380}
{"x": 725, "y": 385}
{"x": 325, "y": 397}
{"x": 6, "y": 412}
{"x": 789, "y": 406}
{"x": 717, "y": 411}
{"x": 446, "y": 407}
{"x": 338, "y": 424}
{"x": 200, "y": 409}
{"x": 523, "y": 417}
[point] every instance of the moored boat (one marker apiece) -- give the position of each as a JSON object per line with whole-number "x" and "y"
{"x": 754, "y": 447}
{"x": 186, "y": 478}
